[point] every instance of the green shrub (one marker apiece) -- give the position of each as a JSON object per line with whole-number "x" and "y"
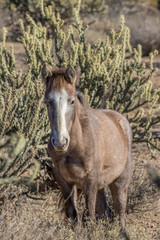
{"x": 22, "y": 111}
{"x": 112, "y": 76}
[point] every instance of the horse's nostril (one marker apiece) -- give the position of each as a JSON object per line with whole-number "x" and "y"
{"x": 52, "y": 141}
{"x": 59, "y": 144}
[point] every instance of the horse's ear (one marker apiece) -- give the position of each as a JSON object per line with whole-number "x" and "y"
{"x": 70, "y": 75}
{"x": 46, "y": 72}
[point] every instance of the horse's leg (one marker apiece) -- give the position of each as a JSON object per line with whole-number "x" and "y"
{"x": 101, "y": 205}
{"x": 69, "y": 195}
{"x": 119, "y": 196}
{"x": 119, "y": 190}
{"x": 90, "y": 191}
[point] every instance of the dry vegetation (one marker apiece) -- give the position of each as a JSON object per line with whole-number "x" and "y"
{"x": 35, "y": 212}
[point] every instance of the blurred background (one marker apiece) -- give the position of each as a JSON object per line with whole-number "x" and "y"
{"x": 142, "y": 17}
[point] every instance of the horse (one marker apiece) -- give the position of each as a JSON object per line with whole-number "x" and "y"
{"x": 90, "y": 148}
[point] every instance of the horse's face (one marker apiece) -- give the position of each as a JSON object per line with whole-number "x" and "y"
{"x": 60, "y": 100}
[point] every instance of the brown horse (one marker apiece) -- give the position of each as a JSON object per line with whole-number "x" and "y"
{"x": 90, "y": 148}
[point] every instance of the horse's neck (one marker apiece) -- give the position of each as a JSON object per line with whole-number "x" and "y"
{"x": 81, "y": 125}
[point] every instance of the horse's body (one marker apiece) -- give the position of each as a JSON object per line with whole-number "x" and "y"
{"x": 90, "y": 148}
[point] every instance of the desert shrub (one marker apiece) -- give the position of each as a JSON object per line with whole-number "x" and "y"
{"x": 61, "y": 6}
{"x": 10, "y": 148}
{"x": 22, "y": 111}
{"x": 19, "y": 9}
{"x": 153, "y": 3}
{"x": 153, "y": 175}
{"x": 112, "y": 76}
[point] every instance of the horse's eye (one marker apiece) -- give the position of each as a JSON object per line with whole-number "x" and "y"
{"x": 71, "y": 103}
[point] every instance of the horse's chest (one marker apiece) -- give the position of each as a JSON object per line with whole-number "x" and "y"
{"x": 72, "y": 171}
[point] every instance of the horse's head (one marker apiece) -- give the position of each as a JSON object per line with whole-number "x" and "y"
{"x": 60, "y": 98}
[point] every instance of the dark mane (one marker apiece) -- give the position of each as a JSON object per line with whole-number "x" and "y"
{"x": 82, "y": 99}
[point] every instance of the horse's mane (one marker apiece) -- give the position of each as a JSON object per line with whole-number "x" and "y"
{"x": 82, "y": 99}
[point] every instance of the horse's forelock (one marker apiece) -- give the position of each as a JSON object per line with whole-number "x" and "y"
{"x": 57, "y": 82}
{"x": 57, "y": 79}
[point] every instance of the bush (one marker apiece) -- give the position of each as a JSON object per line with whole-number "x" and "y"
{"x": 14, "y": 145}
{"x": 63, "y": 7}
{"x": 112, "y": 76}
{"x": 153, "y": 3}
{"x": 22, "y": 111}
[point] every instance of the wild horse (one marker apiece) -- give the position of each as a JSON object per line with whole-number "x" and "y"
{"x": 90, "y": 148}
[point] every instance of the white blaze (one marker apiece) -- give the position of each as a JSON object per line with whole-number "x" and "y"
{"x": 61, "y": 100}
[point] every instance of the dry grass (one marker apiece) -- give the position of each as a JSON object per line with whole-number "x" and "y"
{"x": 26, "y": 214}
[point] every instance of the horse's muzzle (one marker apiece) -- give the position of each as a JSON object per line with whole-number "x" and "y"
{"x": 60, "y": 147}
